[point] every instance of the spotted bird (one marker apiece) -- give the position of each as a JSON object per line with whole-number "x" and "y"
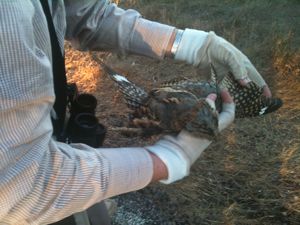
{"x": 180, "y": 103}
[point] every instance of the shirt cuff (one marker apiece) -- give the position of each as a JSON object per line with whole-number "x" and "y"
{"x": 150, "y": 38}
{"x": 130, "y": 169}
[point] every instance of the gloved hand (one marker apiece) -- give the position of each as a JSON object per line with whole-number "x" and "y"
{"x": 180, "y": 152}
{"x": 202, "y": 49}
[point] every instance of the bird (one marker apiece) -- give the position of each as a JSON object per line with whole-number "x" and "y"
{"x": 249, "y": 99}
{"x": 180, "y": 103}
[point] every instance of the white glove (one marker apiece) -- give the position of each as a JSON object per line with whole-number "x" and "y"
{"x": 180, "y": 152}
{"x": 203, "y": 49}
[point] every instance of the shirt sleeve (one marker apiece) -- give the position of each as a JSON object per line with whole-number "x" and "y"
{"x": 101, "y": 25}
{"x": 41, "y": 180}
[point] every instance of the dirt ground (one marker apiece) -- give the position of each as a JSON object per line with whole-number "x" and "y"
{"x": 251, "y": 175}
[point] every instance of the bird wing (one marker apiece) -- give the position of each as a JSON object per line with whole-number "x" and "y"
{"x": 134, "y": 95}
{"x": 249, "y": 100}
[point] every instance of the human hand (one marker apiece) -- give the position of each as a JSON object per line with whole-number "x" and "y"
{"x": 203, "y": 49}
{"x": 180, "y": 152}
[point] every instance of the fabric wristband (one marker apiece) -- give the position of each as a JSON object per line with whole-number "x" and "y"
{"x": 191, "y": 42}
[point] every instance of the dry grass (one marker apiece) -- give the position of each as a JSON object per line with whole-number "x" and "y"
{"x": 287, "y": 64}
{"x": 252, "y": 174}
{"x": 81, "y": 69}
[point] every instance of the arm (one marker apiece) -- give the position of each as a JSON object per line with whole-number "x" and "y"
{"x": 105, "y": 26}
{"x": 98, "y": 25}
{"x": 43, "y": 180}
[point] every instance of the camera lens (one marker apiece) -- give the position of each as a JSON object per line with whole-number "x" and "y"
{"x": 84, "y": 103}
{"x": 87, "y": 130}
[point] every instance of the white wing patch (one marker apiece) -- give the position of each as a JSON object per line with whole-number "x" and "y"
{"x": 120, "y": 78}
{"x": 263, "y": 110}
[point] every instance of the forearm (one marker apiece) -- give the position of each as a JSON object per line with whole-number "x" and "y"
{"x": 50, "y": 182}
{"x": 42, "y": 180}
{"x": 106, "y": 27}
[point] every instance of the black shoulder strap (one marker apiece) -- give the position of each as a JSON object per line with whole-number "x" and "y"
{"x": 59, "y": 75}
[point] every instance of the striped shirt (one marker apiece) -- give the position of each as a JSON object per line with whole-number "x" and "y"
{"x": 41, "y": 180}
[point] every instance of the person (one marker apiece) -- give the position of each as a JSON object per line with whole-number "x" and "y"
{"x": 43, "y": 180}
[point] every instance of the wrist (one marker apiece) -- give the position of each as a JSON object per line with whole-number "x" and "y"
{"x": 160, "y": 170}
{"x": 190, "y": 44}
{"x": 174, "y": 43}
{"x": 173, "y": 157}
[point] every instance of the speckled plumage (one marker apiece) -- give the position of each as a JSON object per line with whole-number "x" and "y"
{"x": 180, "y": 104}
